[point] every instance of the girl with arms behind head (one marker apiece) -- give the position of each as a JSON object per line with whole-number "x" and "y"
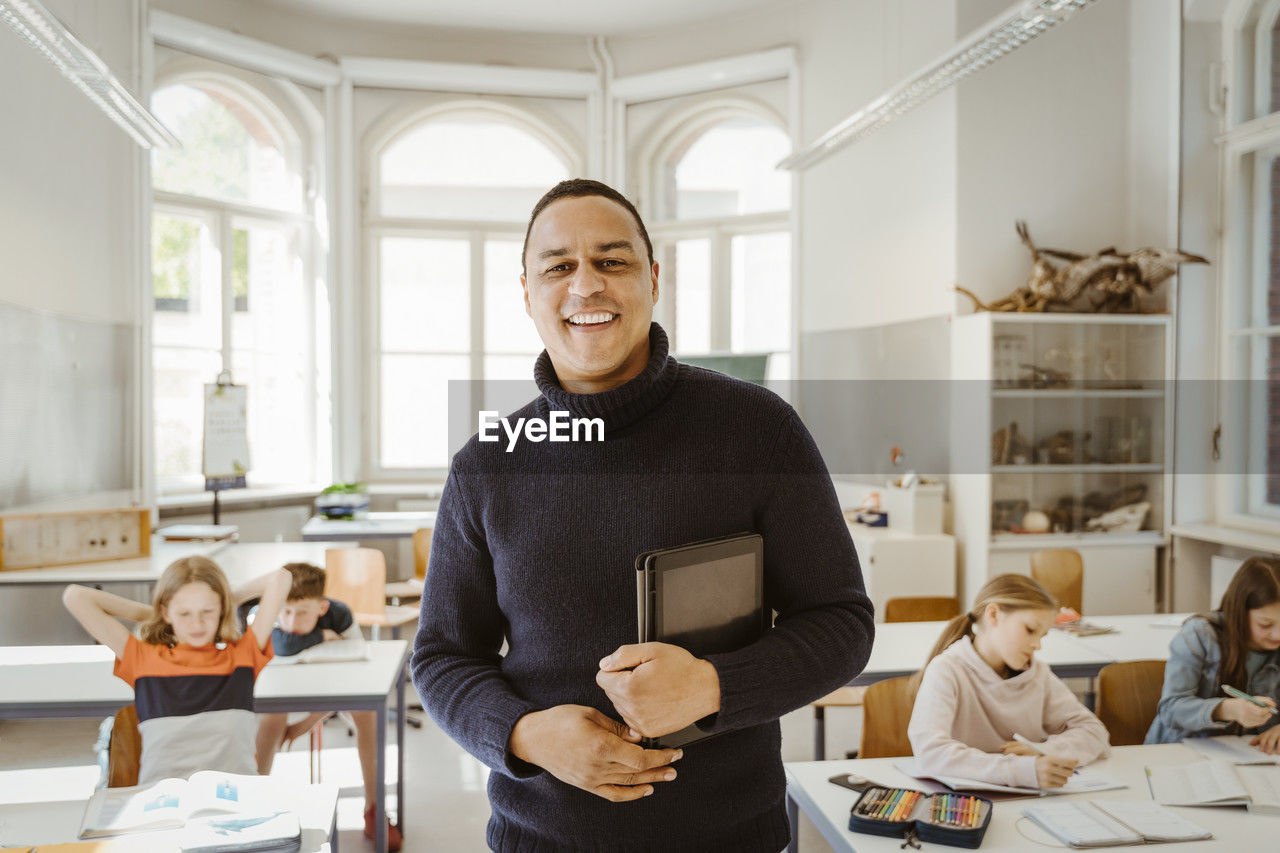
{"x": 982, "y": 685}
{"x": 1236, "y": 645}
{"x": 191, "y": 671}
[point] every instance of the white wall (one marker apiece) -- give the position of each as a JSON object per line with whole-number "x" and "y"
{"x": 68, "y": 175}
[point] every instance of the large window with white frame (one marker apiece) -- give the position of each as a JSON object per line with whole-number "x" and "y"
{"x": 450, "y": 191}
{"x": 1250, "y": 276}
{"x": 722, "y": 232}
{"x": 231, "y": 278}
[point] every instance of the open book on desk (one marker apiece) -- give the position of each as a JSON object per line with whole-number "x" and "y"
{"x": 1110, "y": 823}
{"x": 1081, "y": 782}
{"x": 1217, "y": 783}
{"x": 332, "y": 651}
{"x": 171, "y": 803}
{"x": 1234, "y": 749}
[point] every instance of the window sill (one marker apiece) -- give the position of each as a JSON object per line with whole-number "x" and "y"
{"x": 187, "y": 503}
{"x": 1251, "y": 539}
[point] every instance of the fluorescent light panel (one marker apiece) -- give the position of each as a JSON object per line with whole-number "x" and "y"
{"x": 1010, "y": 31}
{"x": 86, "y": 71}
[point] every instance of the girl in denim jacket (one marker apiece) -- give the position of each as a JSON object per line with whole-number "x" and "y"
{"x": 1237, "y": 645}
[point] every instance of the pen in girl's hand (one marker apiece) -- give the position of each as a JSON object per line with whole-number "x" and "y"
{"x": 1037, "y": 747}
{"x": 1240, "y": 694}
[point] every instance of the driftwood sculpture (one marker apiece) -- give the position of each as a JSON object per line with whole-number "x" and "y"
{"x": 1107, "y": 281}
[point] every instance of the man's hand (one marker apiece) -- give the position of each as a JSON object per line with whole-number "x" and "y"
{"x": 1268, "y": 741}
{"x": 329, "y": 635}
{"x": 659, "y": 688}
{"x": 584, "y": 748}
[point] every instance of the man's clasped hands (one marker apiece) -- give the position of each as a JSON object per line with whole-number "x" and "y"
{"x": 656, "y": 688}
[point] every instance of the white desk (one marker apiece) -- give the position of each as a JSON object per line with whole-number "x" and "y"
{"x": 36, "y": 822}
{"x": 900, "y": 648}
{"x": 828, "y": 805}
{"x": 240, "y": 561}
{"x": 76, "y": 681}
{"x": 1142, "y": 636}
{"x": 378, "y": 525}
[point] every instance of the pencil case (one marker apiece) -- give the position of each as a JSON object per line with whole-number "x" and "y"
{"x": 957, "y": 820}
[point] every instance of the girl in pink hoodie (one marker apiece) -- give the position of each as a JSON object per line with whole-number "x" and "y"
{"x": 982, "y": 684}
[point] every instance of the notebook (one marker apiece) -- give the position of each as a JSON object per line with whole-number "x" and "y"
{"x": 1110, "y": 823}
{"x": 1234, "y": 749}
{"x": 706, "y": 597}
{"x": 1082, "y": 782}
{"x": 1217, "y": 783}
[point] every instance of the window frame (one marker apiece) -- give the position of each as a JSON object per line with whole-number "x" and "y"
{"x": 374, "y": 227}
{"x": 1251, "y": 138}
{"x": 676, "y": 132}
{"x": 223, "y": 216}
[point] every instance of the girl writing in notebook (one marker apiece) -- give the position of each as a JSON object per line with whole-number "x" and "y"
{"x": 191, "y": 671}
{"x": 983, "y": 685}
{"x": 1237, "y": 645}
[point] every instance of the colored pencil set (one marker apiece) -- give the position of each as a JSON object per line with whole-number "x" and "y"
{"x": 890, "y": 804}
{"x": 956, "y": 810}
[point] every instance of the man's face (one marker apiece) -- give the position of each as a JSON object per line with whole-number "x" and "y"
{"x": 590, "y": 289}
{"x": 300, "y": 616}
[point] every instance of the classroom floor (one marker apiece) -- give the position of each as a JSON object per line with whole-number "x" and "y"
{"x": 444, "y": 786}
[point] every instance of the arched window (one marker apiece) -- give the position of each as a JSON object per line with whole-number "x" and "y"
{"x": 723, "y": 233}
{"x": 230, "y": 237}
{"x": 451, "y": 191}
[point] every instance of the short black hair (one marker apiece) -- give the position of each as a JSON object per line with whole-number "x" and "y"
{"x": 582, "y": 188}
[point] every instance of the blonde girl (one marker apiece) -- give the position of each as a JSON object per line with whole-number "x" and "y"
{"x": 191, "y": 671}
{"x": 983, "y": 684}
{"x": 1238, "y": 645}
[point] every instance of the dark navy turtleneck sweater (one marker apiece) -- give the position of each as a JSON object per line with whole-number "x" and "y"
{"x": 537, "y": 547}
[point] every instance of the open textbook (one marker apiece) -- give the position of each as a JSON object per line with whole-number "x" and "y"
{"x": 170, "y": 803}
{"x": 1234, "y": 749}
{"x": 1081, "y": 782}
{"x": 1217, "y": 783}
{"x": 1108, "y": 823}
{"x": 331, "y": 651}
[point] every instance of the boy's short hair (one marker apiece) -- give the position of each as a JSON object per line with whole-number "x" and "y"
{"x": 308, "y": 581}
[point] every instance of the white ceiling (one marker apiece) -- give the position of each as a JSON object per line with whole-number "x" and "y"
{"x": 572, "y": 17}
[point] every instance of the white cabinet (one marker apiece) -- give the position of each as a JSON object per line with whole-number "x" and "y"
{"x": 1057, "y": 419}
{"x": 896, "y": 564}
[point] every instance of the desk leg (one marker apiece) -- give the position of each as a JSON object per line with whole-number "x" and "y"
{"x": 793, "y": 818}
{"x": 380, "y": 813}
{"x": 400, "y": 715}
{"x": 819, "y": 733}
{"x": 1091, "y": 695}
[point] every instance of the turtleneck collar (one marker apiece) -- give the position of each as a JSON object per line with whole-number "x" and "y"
{"x": 621, "y": 406}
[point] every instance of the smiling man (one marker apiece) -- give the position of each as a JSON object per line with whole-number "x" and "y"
{"x": 535, "y": 546}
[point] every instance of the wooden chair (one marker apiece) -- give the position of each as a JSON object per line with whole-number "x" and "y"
{"x": 921, "y": 608}
{"x": 124, "y": 752}
{"x": 905, "y": 609}
{"x": 1061, "y": 571}
{"x": 1128, "y": 694}
{"x": 412, "y": 588}
{"x": 358, "y": 578}
{"x": 886, "y": 712}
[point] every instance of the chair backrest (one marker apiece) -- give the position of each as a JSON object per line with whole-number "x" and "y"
{"x": 1061, "y": 571}
{"x": 124, "y": 752}
{"x": 1128, "y": 693}
{"x": 358, "y": 578}
{"x": 921, "y": 608}
{"x": 886, "y": 711}
{"x": 421, "y": 551}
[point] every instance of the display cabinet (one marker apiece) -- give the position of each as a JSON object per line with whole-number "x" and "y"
{"x": 1060, "y": 426}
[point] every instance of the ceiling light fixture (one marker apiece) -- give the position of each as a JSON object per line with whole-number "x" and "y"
{"x": 1018, "y": 25}
{"x": 86, "y": 71}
